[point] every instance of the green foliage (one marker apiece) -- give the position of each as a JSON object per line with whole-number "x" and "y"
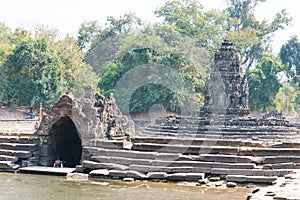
{"x": 290, "y": 56}
{"x": 152, "y": 83}
{"x": 264, "y": 83}
{"x": 189, "y": 19}
{"x": 250, "y": 36}
{"x": 33, "y": 74}
{"x": 87, "y": 33}
{"x": 75, "y": 73}
{"x": 287, "y": 99}
{"x": 237, "y": 23}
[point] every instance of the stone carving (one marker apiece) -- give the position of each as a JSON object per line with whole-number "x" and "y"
{"x": 226, "y": 88}
{"x": 273, "y": 114}
{"x": 94, "y": 117}
{"x": 113, "y": 123}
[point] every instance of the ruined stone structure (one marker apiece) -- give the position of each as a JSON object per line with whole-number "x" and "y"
{"x": 71, "y": 124}
{"x": 227, "y": 90}
{"x": 93, "y": 135}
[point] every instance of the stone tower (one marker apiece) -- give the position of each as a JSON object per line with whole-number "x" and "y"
{"x": 227, "y": 90}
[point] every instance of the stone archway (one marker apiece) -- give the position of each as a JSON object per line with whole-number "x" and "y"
{"x": 65, "y": 142}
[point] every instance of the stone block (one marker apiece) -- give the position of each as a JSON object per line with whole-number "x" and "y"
{"x": 23, "y": 154}
{"x": 128, "y": 179}
{"x": 224, "y": 158}
{"x": 201, "y": 170}
{"x": 156, "y": 175}
{"x": 8, "y": 158}
{"x": 99, "y": 173}
{"x": 279, "y": 166}
{"x": 236, "y": 178}
{"x": 231, "y": 184}
{"x": 77, "y": 176}
{"x": 261, "y": 179}
{"x": 176, "y": 177}
{"x": 136, "y": 175}
{"x": 101, "y": 159}
{"x": 179, "y": 169}
{"x": 96, "y": 165}
{"x": 194, "y": 176}
{"x": 141, "y": 162}
{"x": 145, "y": 169}
{"x": 118, "y": 173}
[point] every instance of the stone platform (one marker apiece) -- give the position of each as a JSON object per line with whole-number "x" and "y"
{"x": 62, "y": 171}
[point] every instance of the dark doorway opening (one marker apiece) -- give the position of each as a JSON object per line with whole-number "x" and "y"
{"x": 66, "y": 142}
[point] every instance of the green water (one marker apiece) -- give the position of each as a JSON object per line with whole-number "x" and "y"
{"x": 21, "y": 186}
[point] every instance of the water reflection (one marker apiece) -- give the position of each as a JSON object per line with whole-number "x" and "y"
{"x": 20, "y": 186}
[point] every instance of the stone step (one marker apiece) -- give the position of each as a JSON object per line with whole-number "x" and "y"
{"x": 91, "y": 165}
{"x": 227, "y": 150}
{"x": 8, "y": 166}
{"x": 251, "y": 172}
{"x": 94, "y": 151}
{"x": 172, "y": 163}
{"x": 18, "y": 146}
{"x": 251, "y": 179}
{"x": 19, "y": 139}
{"x": 8, "y": 158}
{"x": 280, "y": 159}
{"x": 19, "y": 154}
{"x": 259, "y": 152}
{"x": 198, "y": 141}
{"x": 188, "y": 149}
{"x": 185, "y": 176}
{"x": 221, "y": 158}
{"x": 103, "y": 173}
{"x": 107, "y": 144}
{"x": 222, "y": 129}
{"x": 214, "y": 171}
{"x": 265, "y": 137}
{"x": 282, "y": 166}
{"x": 21, "y": 133}
{"x": 287, "y": 144}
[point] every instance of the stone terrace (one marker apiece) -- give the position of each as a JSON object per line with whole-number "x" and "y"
{"x": 163, "y": 154}
{"x": 18, "y": 144}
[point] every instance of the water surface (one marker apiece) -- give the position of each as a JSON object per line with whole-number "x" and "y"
{"x": 31, "y": 187}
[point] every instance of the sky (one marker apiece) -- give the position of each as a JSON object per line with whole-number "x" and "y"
{"x": 67, "y": 15}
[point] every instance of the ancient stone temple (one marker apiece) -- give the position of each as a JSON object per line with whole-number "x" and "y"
{"x": 71, "y": 124}
{"x": 227, "y": 90}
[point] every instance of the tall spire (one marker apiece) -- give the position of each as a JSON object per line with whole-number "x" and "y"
{"x": 227, "y": 90}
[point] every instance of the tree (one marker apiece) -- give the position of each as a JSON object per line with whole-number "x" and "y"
{"x": 33, "y": 74}
{"x": 264, "y": 83}
{"x": 250, "y": 36}
{"x": 157, "y": 48}
{"x": 5, "y": 50}
{"x": 290, "y": 56}
{"x": 106, "y": 42}
{"x": 188, "y": 17}
{"x": 5, "y": 43}
{"x": 87, "y": 34}
{"x": 76, "y": 74}
{"x": 151, "y": 73}
{"x": 237, "y": 23}
{"x": 287, "y": 99}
